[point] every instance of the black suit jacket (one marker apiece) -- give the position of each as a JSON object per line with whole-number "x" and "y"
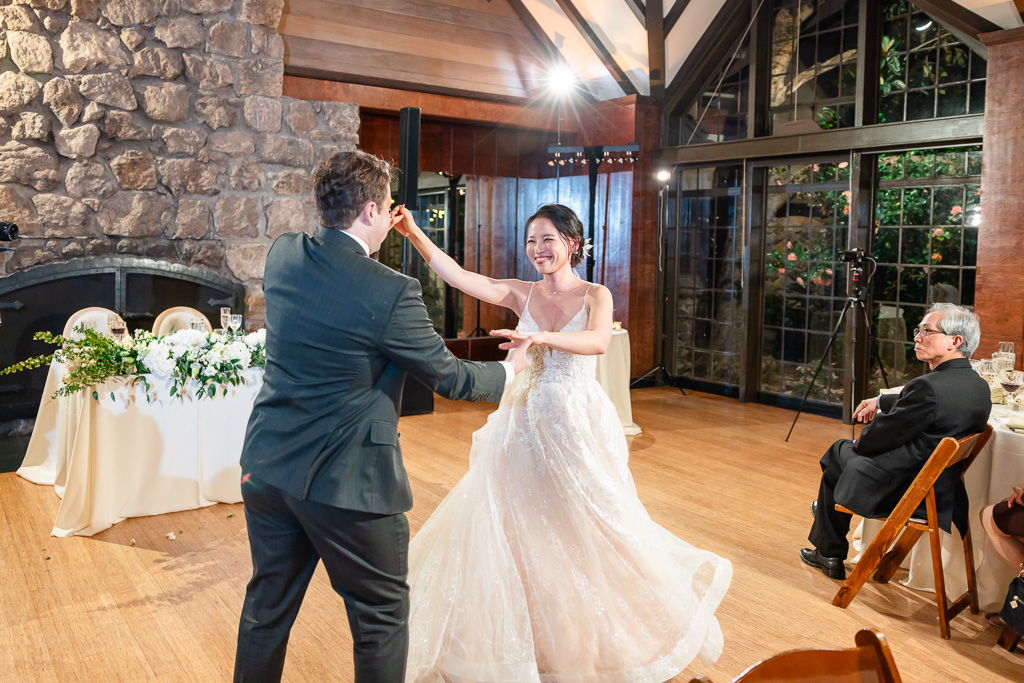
{"x": 342, "y": 332}
{"x": 951, "y": 400}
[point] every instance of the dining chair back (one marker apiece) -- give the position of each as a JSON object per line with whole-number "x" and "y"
{"x": 886, "y": 552}
{"x": 870, "y": 661}
{"x": 178, "y": 318}
{"x": 94, "y": 315}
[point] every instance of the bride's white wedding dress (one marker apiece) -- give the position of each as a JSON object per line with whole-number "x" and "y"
{"x": 542, "y": 564}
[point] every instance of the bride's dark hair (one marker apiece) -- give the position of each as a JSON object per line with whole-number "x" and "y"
{"x": 568, "y": 225}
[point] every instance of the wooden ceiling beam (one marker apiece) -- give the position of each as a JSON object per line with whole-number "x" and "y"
{"x": 641, "y": 12}
{"x": 435, "y": 106}
{"x": 599, "y": 48}
{"x": 674, "y": 14}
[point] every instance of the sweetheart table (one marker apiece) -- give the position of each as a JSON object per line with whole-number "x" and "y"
{"x": 113, "y": 458}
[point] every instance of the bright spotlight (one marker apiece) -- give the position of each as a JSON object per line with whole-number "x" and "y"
{"x": 562, "y": 80}
{"x": 663, "y": 176}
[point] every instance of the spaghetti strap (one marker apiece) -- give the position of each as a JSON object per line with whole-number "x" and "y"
{"x": 530, "y": 294}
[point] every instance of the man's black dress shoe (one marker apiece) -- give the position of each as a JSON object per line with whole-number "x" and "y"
{"x": 814, "y": 509}
{"x": 832, "y": 567}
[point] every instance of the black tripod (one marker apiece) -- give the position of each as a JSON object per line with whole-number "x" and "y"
{"x": 860, "y": 295}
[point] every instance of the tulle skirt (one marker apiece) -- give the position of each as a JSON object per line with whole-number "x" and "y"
{"x": 542, "y": 565}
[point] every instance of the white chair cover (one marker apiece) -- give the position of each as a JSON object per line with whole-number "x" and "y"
{"x": 177, "y": 318}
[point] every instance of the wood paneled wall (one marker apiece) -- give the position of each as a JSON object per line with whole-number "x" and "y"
{"x": 475, "y": 49}
{"x": 505, "y": 204}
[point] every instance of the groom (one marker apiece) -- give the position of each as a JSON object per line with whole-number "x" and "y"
{"x": 323, "y": 477}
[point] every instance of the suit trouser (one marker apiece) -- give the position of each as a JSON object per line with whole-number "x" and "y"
{"x": 830, "y": 527}
{"x": 365, "y": 556}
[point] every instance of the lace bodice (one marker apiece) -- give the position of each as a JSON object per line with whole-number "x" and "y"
{"x": 551, "y": 365}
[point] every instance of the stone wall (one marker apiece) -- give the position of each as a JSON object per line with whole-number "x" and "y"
{"x": 156, "y": 128}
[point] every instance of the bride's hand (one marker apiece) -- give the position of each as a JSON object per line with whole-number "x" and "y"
{"x": 535, "y": 338}
{"x": 517, "y": 348}
{"x": 403, "y": 222}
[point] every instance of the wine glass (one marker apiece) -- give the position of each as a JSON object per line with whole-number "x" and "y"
{"x": 117, "y": 326}
{"x": 225, "y": 316}
{"x": 198, "y": 324}
{"x": 235, "y": 322}
{"x": 1011, "y": 381}
{"x": 1005, "y": 347}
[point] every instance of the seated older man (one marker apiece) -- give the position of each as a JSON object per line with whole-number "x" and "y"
{"x": 871, "y": 474}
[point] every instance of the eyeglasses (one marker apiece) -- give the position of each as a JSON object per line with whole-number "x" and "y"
{"x": 924, "y": 332}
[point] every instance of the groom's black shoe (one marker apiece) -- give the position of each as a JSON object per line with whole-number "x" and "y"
{"x": 832, "y": 567}
{"x": 814, "y": 509}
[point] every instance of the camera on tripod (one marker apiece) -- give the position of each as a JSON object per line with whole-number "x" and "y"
{"x": 855, "y": 256}
{"x": 8, "y": 231}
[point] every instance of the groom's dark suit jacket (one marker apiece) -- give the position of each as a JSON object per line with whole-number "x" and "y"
{"x": 342, "y": 332}
{"x": 951, "y": 400}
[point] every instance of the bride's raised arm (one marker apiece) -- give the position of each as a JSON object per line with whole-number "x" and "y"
{"x": 508, "y": 293}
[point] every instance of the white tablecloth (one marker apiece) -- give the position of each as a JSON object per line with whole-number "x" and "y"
{"x": 113, "y": 459}
{"x": 613, "y": 375}
{"x": 998, "y": 467}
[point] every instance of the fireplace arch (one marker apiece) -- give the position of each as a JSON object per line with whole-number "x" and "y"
{"x": 44, "y": 297}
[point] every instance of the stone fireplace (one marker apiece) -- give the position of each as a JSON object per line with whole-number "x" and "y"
{"x": 155, "y": 129}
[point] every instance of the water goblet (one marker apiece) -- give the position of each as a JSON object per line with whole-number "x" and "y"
{"x": 198, "y": 324}
{"x": 1005, "y": 347}
{"x": 235, "y": 322}
{"x": 117, "y": 326}
{"x": 225, "y": 316}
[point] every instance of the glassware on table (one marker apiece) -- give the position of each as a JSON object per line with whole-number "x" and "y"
{"x": 1004, "y": 361}
{"x": 1005, "y": 347}
{"x": 1011, "y": 381}
{"x": 116, "y": 326}
{"x": 987, "y": 369}
{"x": 198, "y": 324}
{"x": 225, "y": 316}
{"x": 235, "y": 322}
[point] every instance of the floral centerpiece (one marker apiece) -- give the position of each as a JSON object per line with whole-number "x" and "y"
{"x": 210, "y": 362}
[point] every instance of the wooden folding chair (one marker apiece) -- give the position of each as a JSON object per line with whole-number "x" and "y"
{"x": 883, "y": 557}
{"x": 871, "y": 660}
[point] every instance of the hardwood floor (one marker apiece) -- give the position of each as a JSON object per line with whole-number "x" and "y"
{"x": 130, "y": 604}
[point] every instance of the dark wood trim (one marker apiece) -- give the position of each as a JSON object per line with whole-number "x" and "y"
{"x": 588, "y": 33}
{"x": 1009, "y": 35}
{"x": 862, "y": 210}
{"x": 674, "y": 14}
{"x": 759, "y": 84}
{"x": 960, "y": 130}
{"x": 656, "y": 49}
{"x": 869, "y": 50}
{"x": 435, "y": 107}
{"x": 357, "y": 79}
{"x": 960, "y": 21}
{"x": 752, "y": 297}
{"x": 639, "y": 11}
{"x": 708, "y": 55}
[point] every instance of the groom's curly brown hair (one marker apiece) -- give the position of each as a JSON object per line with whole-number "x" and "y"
{"x": 344, "y": 183}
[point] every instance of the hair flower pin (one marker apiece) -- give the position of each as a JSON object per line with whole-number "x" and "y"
{"x": 587, "y": 247}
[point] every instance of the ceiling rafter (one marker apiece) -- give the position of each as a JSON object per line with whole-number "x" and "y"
{"x": 656, "y": 49}
{"x": 960, "y": 21}
{"x": 674, "y": 14}
{"x": 553, "y": 54}
{"x": 588, "y": 33}
{"x": 641, "y": 11}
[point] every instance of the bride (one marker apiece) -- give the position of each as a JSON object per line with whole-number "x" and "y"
{"x": 542, "y": 565}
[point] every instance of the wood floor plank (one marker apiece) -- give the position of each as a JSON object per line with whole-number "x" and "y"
{"x": 715, "y": 472}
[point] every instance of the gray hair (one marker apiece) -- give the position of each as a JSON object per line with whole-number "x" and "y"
{"x": 958, "y": 320}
